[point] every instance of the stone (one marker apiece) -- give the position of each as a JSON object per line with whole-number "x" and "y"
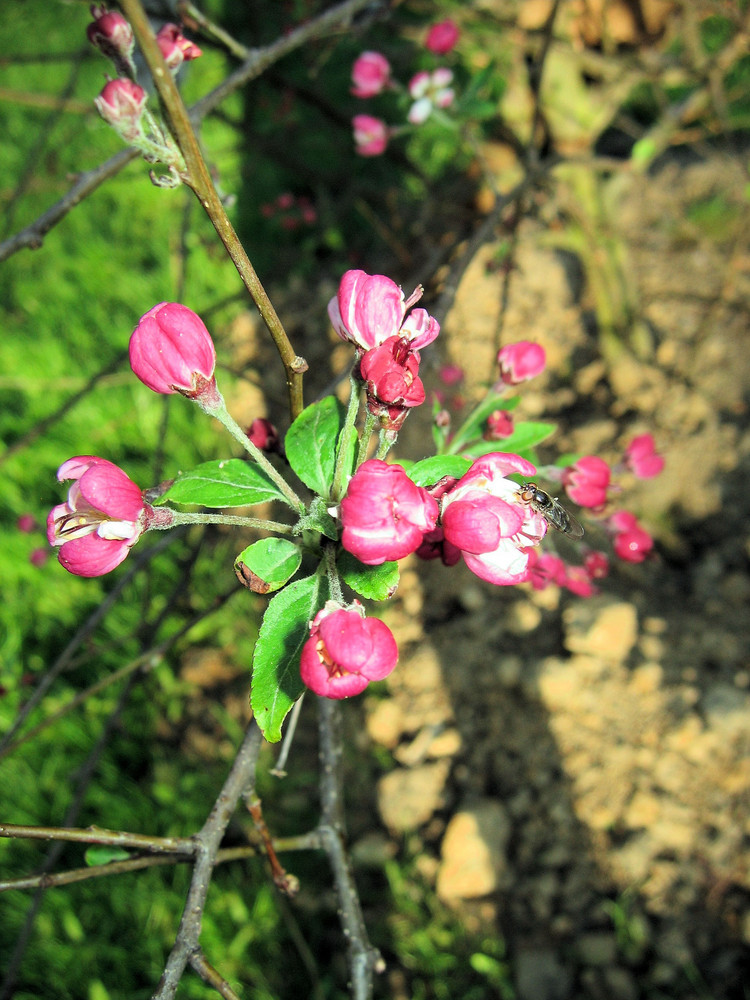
{"x": 610, "y": 633}
{"x": 473, "y": 858}
{"x": 408, "y": 797}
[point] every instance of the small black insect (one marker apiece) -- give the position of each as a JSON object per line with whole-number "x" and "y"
{"x": 553, "y": 512}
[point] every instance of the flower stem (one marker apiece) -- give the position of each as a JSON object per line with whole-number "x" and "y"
{"x": 224, "y": 417}
{"x": 364, "y": 441}
{"x": 184, "y": 517}
{"x": 345, "y": 438}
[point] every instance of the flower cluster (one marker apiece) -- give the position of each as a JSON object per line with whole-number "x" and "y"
{"x": 429, "y": 91}
{"x": 484, "y": 509}
{"x": 371, "y": 312}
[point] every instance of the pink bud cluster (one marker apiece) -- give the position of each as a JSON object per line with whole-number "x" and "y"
{"x": 122, "y": 102}
{"x": 429, "y": 90}
{"x": 371, "y": 313}
{"x": 105, "y": 513}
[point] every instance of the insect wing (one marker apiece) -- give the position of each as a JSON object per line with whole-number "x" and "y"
{"x": 559, "y": 518}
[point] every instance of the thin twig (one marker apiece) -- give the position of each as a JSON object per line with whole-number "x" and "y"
{"x": 363, "y": 959}
{"x": 240, "y": 780}
{"x": 209, "y": 975}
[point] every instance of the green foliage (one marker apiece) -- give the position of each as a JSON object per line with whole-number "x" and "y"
{"x": 273, "y": 561}
{"x": 285, "y": 629}
{"x": 230, "y": 482}
{"x": 310, "y": 443}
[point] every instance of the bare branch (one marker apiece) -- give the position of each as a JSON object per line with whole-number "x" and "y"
{"x": 364, "y": 960}
{"x": 209, "y": 975}
{"x": 239, "y": 781}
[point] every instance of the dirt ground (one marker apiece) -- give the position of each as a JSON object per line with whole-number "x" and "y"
{"x": 578, "y": 769}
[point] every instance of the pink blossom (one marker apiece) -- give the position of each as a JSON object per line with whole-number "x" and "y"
{"x": 384, "y": 514}
{"x": 370, "y": 308}
{"x": 171, "y": 351}
{"x": 642, "y": 458}
{"x": 175, "y": 48}
{"x": 103, "y": 516}
{"x": 451, "y": 374}
{"x": 429, "y": 91}
{"x": 371, "y": 135}
{"x": 370, "y": 74}
{"x": 545, "y": 568}
{"x": 631, "y": 543}
{"x": 26, "y": 523}
{"x": 442, "y": 37}
{"x": 346, "y": 651}
{"x": 434, "y": 546}
{"x": 38, "y": 557}
{"x": 521, "y": 361}
{"x": 483, "y": 517}
{"x": 392, "y": 383}
{"x": 587, "y": 480}
{"x": 597, "y": 565}
{"x": 499, "y": 425}
{"x": 578, "y": 581}
{"x": 112, "y": 35}
{"x": 121, "y": 105}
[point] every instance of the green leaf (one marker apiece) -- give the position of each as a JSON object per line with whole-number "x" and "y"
{"x": 310, "y": 443}
{"x": 285, "y": 629}
{"x": 103, "y": 854}
{"x": 376, "y": 583}
{"x": 271, "y": 562}
{"x": 525, "y": 436}
{"x": 431, "y": 470}
{"x": 227, "y": 483}
{"x": 472, "y": 426}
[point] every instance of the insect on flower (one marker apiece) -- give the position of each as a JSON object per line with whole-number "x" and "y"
{"x": 553, "y": 512}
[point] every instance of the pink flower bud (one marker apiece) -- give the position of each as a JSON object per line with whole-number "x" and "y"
{"x": 484, "y": 518}
{"x": 370, "y": 74}
{"x": 171, "y": 351}
{"x": 442, "y": 37}
{"x": 264, "y": 435}
{"x": 26, "y": 523}
{"x": 587, "y": 480}
{"x": 103, "y": 516}
{"x": 631, "y": 543}
{"x": 499, "y": 425}
{"x": 597, "y": 565}
{"x": 578, "y": 581}
{"x": 451, "y": 374}
{"x": 384, "y": 514}
{"x": 121, "y": 105}
{"x": 371, "y": 135}
{"x": 175, "y": 48}
{"x": 642, "y": 458}
{"x": 111, "y": 34}
{"x": 520, "y": 362}
{"x": 346, "y": 651}
{"x": 545, "y": 568}
{"x": 434, "y": 546}
{"x": 38, "y": 557}
{"x": 390, "y": 373}
{"x": 370, "y": 308}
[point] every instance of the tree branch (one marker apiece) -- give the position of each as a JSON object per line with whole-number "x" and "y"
{"x": 240, "y": 780}
{"x": 363, "y": 959}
